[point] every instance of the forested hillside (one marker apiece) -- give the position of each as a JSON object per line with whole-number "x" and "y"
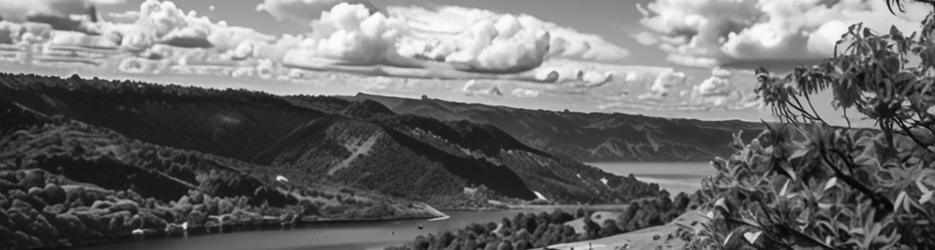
{"x": 66, "y": 182}
{"x": 314, "y": 140}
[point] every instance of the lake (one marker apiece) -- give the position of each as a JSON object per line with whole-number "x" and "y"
{"x": 672, "y": 176}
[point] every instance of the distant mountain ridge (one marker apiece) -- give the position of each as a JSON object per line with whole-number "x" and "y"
{"x": 589, "y": 137}
{"x": 313, "y": 139}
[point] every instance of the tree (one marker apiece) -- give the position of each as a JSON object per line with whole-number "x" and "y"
{"x": 610, "y": 228}
{"x": 804, "y": 183}
{"x": 591, "y": 229}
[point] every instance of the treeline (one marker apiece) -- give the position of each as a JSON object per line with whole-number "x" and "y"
{"x": 531, "y": 230}
{"x": 523, "y": 231}
{"x": 41, "y": 210}
{"x": 32, "y": 82}
{"x": 652, "y": 212}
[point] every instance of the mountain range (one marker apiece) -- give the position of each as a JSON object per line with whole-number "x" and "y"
{"x": 311, "y": 140}
{"x": 588, "y": 137}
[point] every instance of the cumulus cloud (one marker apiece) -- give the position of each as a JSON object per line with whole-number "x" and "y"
{"x": 162, "y": 22}
{"x": 141, "y": 66}
{"x": 504, "y": 46}
{"x": 441, "y": 23}
{"x": 171, "y": 25}
{"x": 525, "y": 93}
{"x": 304, "y": 11}
{"x": 350, "y": 34}
{"x": 717, "y": 32}
{"x": 72, "y": 38}
{"x": 578, "y": 73}
{"x": 646, "y": 38}
{"x": 460, "y": 38}
{"x": 473, "y": 88}
{"x": 569, "y": 43}
{"x": 225, "y": 37}
{"x": 716, "y": 85}
{"x": 664, "y": 83}
{"x": 23, "y": 33}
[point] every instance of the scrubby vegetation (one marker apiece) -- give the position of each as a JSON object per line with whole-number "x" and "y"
{"x": 807, "y": 185}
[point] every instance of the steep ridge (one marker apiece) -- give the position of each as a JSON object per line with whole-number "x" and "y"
{"x": 587, "y": 137}
{"x": 67, "y": 183}
{"x": 314, "y": 139}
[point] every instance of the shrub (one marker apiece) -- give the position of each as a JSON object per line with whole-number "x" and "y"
{"x": 54, "y": 194}
{"x": 806, "y": 184}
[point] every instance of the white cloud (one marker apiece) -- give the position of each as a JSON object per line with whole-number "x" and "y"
{"x": 646, "y": 38}
{"x": 224, "y": 37}
{"x": 23, "y": 33}
{"x": 665, "y": 82}
{"x": 716, "y": 85}
{"x": 303, "y": 11}
{"x": 525, "y": 93}
{"x": 73, "y": 38}
{"x": 462, "y": 38}
{"x": 566, "y": 71}
{"x": 717, "y": 32}
{"x": 350, "y": 34}
{"x": 504, "y": 46}
{"x": 123, "y": 17}
{"x": 440, "y": 25}
{"x": 171, "y": 25}
{"x": 141, "y": 66}
{"x": 473, "y": 88}
{"x": 569, "y": 43}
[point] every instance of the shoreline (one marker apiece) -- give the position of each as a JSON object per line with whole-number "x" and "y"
{"x": 233, "y": 228}
{"x": 201, "y": 230}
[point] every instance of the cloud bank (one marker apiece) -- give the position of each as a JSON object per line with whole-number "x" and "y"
{"x": 708, "y": 33}
{"x": 344, "y": 35}
{"x": 463, "y": 52}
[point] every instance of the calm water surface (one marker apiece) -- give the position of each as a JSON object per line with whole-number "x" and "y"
{"x": 339, "y": 236}
{"x": 672, "y": 176}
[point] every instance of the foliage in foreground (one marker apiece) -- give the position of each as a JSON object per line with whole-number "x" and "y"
{"x": 808, "y": 185}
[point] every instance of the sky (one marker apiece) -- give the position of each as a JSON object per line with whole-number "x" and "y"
{"x": 668, "y": 58}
